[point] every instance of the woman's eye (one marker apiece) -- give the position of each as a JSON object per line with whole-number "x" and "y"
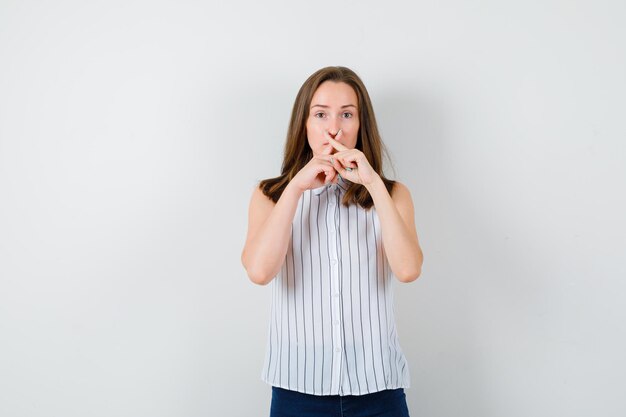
{"x": 319, "y": 115}
{"x": 347, "y": 115}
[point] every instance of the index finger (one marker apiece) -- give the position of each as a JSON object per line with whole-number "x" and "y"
{"x": 335, "y": 143}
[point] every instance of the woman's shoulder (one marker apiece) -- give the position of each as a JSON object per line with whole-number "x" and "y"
{"x": 398, "y": 186}
{"x": 400, "y": 192}
{"x": 273, "y": 188}
{"x": 260, "y": 195}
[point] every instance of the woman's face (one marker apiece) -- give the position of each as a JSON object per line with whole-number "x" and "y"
{"x": 333, "y": 108}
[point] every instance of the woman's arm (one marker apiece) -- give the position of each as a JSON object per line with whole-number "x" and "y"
{"x": 398, "y": 229}
{"x": 269, "y": 224}
{"x": 396, "y": 214}
{"x": 269, "y": 231}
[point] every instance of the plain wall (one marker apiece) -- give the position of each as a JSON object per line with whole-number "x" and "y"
{"x": 133, "y": 132}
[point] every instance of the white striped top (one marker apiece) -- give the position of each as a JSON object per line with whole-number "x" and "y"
{"x": 332, "y": 327}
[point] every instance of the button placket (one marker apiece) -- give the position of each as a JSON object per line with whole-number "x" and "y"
{"x": 335, "y": 288}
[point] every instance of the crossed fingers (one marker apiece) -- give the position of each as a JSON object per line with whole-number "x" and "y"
{"x": 344, "y": 155}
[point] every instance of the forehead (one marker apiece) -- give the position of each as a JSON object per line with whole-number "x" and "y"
{"x": 333, "y": 93}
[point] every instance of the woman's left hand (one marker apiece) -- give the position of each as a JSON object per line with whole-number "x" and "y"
{"x": 361, "y": 171}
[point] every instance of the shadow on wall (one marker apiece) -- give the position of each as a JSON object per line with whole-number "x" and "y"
{"x": 434, "y": 314}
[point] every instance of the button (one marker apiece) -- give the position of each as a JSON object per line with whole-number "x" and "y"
{"x": 333, "y": 261}
{"x": 336, "y": 322}
{"x": 332, "y": 231}
{"x": 337, "y": 349}
{"x": 332, "y": 202}
{"x": 336, "y": 295}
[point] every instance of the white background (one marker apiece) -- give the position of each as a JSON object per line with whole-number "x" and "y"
{"x": 133, "y": 132}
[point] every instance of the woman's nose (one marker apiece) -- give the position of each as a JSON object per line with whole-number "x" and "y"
{"x": 333, "y": 128}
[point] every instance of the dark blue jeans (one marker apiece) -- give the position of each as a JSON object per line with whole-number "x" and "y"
{"x": 388, "y": 403}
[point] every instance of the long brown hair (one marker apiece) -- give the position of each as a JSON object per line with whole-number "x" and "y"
{"x": 298, "y": 152}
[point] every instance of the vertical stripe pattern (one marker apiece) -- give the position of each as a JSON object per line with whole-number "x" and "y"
{"x": 332, "y": 328}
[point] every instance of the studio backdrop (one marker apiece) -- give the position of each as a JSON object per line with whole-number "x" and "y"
{"x": 132, "y": 134}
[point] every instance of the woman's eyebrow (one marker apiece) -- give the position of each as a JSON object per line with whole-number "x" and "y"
{"x": 325, "y": 107}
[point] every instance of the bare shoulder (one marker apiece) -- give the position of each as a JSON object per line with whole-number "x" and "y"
{"x": 260, "y": 208}
{"x": 259, "y": 198}
{"x": 400, "y": 192}
{"x": 401, "y": 197}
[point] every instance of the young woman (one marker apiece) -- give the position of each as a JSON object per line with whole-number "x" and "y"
{"x": 331, "y": 232}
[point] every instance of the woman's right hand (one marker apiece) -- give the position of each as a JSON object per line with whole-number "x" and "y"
{"x": 317, "y": 172}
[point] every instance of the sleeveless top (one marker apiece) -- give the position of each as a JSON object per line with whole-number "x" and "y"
{"x": 332, "y": 328}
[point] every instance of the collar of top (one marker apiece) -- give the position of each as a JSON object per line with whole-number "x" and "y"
{"x": 342, "y": 185}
